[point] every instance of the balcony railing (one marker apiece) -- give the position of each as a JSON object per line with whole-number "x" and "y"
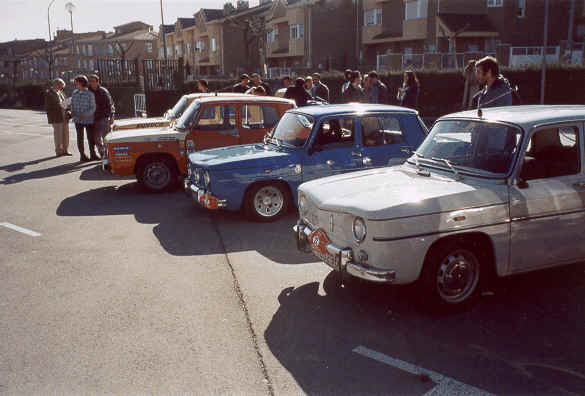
{"x": 428, "y": 60}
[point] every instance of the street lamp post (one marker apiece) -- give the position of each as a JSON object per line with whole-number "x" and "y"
{"x": 70, "y": 7}
{"x": 49, "y": 49}
{"x": 164, "y": 37}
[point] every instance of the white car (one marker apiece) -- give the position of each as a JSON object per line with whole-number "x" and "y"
{"x": 493, "y": 192}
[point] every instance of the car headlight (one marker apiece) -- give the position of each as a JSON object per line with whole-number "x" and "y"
{"x": 302, "y": 203}
{"x": 359, "y": 229}
{"x": 206, "y": 178}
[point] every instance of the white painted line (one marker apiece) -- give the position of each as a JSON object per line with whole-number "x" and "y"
{"x": 445, "y": 386}
{"x": 20, "y": 229}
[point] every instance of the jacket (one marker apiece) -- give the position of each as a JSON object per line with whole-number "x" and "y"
{"x": 320, "y": 90}
{"x": 499, "y": 94}
{"x": 409, "y": 96}
{"x": 53, "y": 104}
{"x": 104, "y": 105}
{"x": 353, "y": 94}
{"x": 382, "y": 96}
{"x": 239, "y": 88}
{"x": 83, "y": 103}
{"x": 299, "y": 95}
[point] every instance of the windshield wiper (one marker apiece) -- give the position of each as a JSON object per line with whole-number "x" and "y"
{"x": 450, "y": 165}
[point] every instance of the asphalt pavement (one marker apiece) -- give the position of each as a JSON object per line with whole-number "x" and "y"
{"x": 105, "y": 288}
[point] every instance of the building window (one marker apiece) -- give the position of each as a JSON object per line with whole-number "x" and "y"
{"x": 161, "y": 52}
{"x": 148, "y": 46}
{"x": 297, "y": 31}
{"x": 495, "y": 3}
{"x": 178, "y": 50}
{"x": 213, "y": 44}
{"x": 521, "y": 8}
{"x": 200, "y": 45}
{"x": 169, "y": 51}
{"x": 373, "y": 17}
{"x": 91, "y": 64}
{"x": 90, "y": 50}
{"x": 416, "y": 9}
{"x": 83, "y": 50}
{"x": 110, "y": 49}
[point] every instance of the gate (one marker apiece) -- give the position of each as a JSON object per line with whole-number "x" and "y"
{"x": 161, "y": 75}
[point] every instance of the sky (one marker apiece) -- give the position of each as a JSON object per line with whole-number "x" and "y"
{"x": 27, "y": 19}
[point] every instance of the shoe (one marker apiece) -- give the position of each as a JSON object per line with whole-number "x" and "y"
{"x": 84, "y": 158}
{"x": 67, "y": 153}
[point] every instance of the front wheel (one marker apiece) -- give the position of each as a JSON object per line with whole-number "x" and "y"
{"x": 157, "y": 174}
{"x": 450, "y": 277}
{"x": 266, "y": 202}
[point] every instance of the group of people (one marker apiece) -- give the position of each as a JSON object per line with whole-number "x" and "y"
{"x": 92, "y": 109}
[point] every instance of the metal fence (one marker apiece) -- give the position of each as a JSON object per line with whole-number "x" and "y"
{"x": 162, "y": 75}
{"x": 428, "y": 60}
{"x": 118, "y": 71}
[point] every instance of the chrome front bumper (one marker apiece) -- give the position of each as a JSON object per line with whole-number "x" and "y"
{"x": 343, "y": 259}
{"x": 202, "y": 197}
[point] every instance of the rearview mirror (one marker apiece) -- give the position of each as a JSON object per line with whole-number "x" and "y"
{"x": 521, "y": 183}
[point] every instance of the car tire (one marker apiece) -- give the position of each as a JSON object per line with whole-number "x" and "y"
{"x": 450, "y": 278}
{"x": 266, "y": 202}
{"x": 157, "y": 174}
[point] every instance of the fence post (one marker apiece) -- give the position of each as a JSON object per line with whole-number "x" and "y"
{"x": 180, "y": 78}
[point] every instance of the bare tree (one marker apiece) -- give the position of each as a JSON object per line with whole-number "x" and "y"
{"x": 121, "y": 49}
{"x": 254, "y": 31}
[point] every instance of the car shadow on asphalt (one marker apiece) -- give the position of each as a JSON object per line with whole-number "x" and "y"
{"x": 524, "y": 338}
{"x": 21, "y": 165}
{"x": 97, "y": 174}
{"x": 185, "y": 230}
{"x": 46, "y": 172}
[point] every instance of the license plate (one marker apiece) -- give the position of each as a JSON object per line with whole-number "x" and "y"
{"x": 319, "y": 241}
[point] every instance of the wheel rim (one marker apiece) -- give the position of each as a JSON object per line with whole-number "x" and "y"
{"x": 157, "y": 175}
{"x": 268, "y": 201}
{"x": 457, "y": 276}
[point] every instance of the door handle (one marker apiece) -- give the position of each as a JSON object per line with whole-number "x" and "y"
{"x": 356, "y": 154}
{"x": 329, "y": 162}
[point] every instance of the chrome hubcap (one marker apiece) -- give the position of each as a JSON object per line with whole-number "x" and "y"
{"x": 457, "y": 276}
{"x": 268, "y": 201}
{"x": 157, "y": 175}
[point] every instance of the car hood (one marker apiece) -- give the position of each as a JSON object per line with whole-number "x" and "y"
{"x": 400, "y": 192}
{"x": 139, "y": 123}
{"x": 243, "y": 156}
{"x": 144, "y": 135}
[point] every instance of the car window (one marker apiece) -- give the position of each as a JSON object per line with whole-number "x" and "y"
{"x": 270, "y": 114}
{"x": 259, "y": 116}
{"x": 379, "y": 130}
{"x": 335, "y": 133}
{"x": 293, "y": 130}
{"x": 217, "y": 117}
{"x": 552, "y": 152}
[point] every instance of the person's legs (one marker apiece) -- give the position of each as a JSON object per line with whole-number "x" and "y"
{"x": 91, "y": 141}
{"x": 99, "y": 133}
{"x": 66, "y": 137}
{"x": 58, "y": 137}
{"x": 79, "y": 128}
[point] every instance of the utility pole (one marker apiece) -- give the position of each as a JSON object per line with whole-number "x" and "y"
{"x": 164, "y": 37}
{"x": 570, "y": 35}
{"x": 49, "y": 49}
{"x": 544, "y": 48}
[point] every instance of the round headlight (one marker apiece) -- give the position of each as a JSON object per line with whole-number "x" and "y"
{"x": 206, "y": 178}
{"x": 359, "y": 229}
{"x": 302, "y": 203}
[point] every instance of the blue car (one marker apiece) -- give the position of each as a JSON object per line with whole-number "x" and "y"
{"x": 307, "y": 143}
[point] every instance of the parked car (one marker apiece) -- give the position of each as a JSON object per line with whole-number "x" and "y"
{"x": 308, "y": 143}
{"x": 501, "y": 193}
{"x": 169, "y": 116}
{"x": 157, "y": 156}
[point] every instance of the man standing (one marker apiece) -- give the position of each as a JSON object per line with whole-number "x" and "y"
{"x": 378, "y": 92}
{"x": 257, "y": 82}
{"x": 496, "y": 91}
{"x": 55, "y": 104}
{"x": 309, "y": 85}
{"x": 82, "y": 110}
{"x": 298, "y": 93}
{"x": 242, "y": 86}
{"x": 354, "y": 93}
{"x": 320, "y": 90}
{"x": 203, "y": 86}
{"x": 104, "y": 112}
{"x": 286, "y": 82}
{"x": 347, "y": 78}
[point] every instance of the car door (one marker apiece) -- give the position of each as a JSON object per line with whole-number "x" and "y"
{"x": 257, "y": 121}
{"x": 388, "y": 138}
{"x": 547, "y": 207}
{"x": 334, "y": 149}
{"x": 216, "y": 126}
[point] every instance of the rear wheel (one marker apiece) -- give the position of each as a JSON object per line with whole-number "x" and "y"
{"x": 267, "y": 202}
{"x": 157, "y": 174}
{"x": 450, "y": 277}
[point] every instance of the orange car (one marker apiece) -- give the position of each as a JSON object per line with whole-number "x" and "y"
{"x": 157, "y": 156}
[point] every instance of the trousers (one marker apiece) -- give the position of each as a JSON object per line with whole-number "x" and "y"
{"x": 80, "y": 128}
{"x": 100, "y": 129}
{"x": 61, "y": 137}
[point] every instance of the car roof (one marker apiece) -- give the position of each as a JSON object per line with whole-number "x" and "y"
{"x": 245, "y": 99}
{"x": 207, "y": 94}
{"x": 526, "y": 116}
{"x": 352, "y": 108}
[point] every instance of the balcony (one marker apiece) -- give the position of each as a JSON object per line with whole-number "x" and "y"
{"x": 414, "y": 29}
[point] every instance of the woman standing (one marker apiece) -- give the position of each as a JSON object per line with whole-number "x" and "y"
{"x": 408, "y": 94}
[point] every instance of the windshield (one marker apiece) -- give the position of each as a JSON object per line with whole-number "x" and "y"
{"x": 188, "y": 117}
{"x": 472, "y": 146}
{"x": 179, "y": 108}
{"x": 293, "y": 130}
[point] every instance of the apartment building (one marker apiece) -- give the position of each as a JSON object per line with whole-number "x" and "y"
{"x": 506, "y": 28}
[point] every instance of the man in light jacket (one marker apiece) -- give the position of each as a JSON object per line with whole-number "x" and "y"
{"x": 55, "y": 103}
{"x": 83, "y": 110}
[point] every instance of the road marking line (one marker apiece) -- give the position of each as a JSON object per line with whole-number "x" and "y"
{"x": 20, "y": 229}
{"x": 445, "y": 385}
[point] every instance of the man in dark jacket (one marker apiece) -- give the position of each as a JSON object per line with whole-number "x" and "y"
{"x": 257, "y": 82}
{"x": 298, "y": 93}
{"x": 104, "y": 112}
{"x": 55, "y": 105}
{"x": 354, "y": 93}
{"x": 319, "y": 89}
{"x": 242, "y": 86}
{"x": 497, "y": 91}
{"x": 378, "y": 92}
